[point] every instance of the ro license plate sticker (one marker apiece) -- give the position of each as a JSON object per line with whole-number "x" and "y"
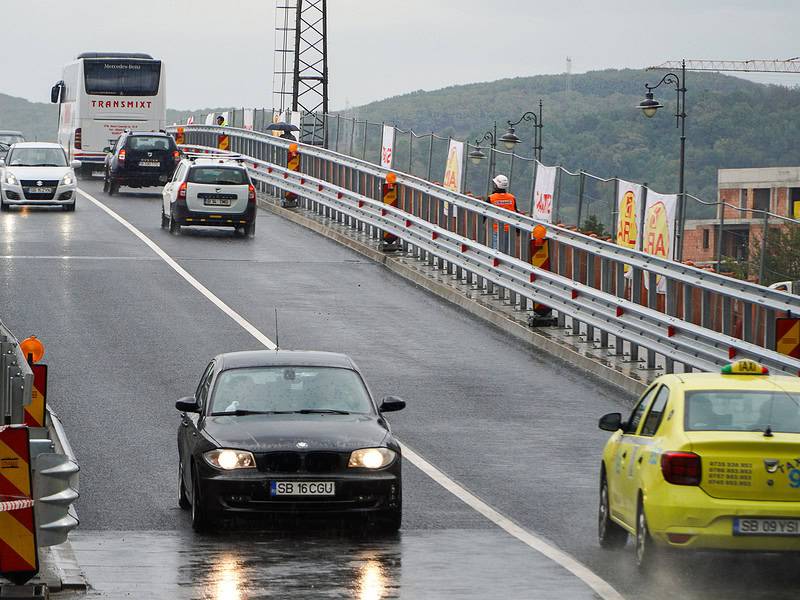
{"x": 217, "y": 202}
{"x": 149, "y": 163}
{"x": 777, "y": 527}
{"x": 302, "y": 488}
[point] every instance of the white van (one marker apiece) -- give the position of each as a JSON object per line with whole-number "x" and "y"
{"x": 104, "y": 94}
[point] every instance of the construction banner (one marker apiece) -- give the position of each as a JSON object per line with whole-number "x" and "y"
{"x": 658, "y": 237}
{"x": 543, "y": 192}
{"x": 19, "y": 558}
{"x": 36, "y": 410}
{"x": 387, "y": 147}
{"x": 629, "y": 212}
{"x": 787, "y": 336}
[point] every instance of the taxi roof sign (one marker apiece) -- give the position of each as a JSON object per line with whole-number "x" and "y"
{"x": 745, "y": 367}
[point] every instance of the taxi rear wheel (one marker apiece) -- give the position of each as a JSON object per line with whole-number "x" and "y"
{"x": 609, "y": 533}
{"x": 645, "y": 549}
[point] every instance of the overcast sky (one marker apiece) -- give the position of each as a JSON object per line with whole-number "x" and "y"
{"x": 221, "y": 53}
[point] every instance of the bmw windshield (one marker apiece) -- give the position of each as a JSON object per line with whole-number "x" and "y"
{"x": 280, "y": 390}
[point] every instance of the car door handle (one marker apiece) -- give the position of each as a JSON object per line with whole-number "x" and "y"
{"x": 640, "y": 459}
{"x": 625, "y": 454}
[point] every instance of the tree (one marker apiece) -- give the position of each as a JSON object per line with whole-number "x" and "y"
{"x": 593, "y": 225}
{"x": 782, "y": 260}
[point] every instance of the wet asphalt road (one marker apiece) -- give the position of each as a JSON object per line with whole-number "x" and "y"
{"x": 126, "y": 336}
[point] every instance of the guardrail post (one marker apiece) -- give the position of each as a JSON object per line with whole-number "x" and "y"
{"x": 636, "y": 298}
{"x": 652, "y": 302}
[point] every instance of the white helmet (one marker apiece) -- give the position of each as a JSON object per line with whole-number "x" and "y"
{"x": 500, "y": 182}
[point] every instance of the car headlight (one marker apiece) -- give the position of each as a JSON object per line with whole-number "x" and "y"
{"x": 372, "y": 458}
{"x": 68, "y": 179}
{"x": 11, "y": 179}
{"x": 230, "y": 460}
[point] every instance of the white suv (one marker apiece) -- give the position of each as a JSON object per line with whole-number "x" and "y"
{"x": 37, "y": 173}
{"x": 214, "y": 192}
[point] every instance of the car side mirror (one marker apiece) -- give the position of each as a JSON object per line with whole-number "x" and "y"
{"x": 2, "y": 162}
{"x": 610, "y": 422}
{"x": 55, "y": 92}
{"x": 107, "y": 149}
{"x": 392, "y": 404}
{"x": 75, "y": 164}
{"x": 188, "y": 404}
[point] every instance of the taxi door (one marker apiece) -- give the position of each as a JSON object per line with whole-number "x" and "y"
{"x": 621, "y": 483}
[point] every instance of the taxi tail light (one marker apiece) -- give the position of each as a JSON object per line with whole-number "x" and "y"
{"x": 681, "y": 468}
{"x": 78, "y": 139}
{"x": 182, "y": 191}
{"x": 251, "y": 194}
{"x": 122, "y": 157}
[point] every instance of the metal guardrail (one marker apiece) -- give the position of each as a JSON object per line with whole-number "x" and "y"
{"x": 603, "y": 290}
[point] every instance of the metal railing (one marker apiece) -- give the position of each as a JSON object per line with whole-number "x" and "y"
{"x": 606, "y": 293}
{"x": 16, "y": 379}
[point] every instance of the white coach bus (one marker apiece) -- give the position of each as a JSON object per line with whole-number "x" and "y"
{"x": 103, "y": 94}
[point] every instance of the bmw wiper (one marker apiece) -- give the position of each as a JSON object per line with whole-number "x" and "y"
{"x": 242, "y": 412}
{"x": 321, "y": 411}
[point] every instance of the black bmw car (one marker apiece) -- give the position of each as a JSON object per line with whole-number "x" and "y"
{"x": 287, "y": 432}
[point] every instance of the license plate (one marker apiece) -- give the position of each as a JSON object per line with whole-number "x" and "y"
{"x": 778, "y": 527}
{"x": 302, "y": 488}
{"x": 97, "y": 173}
{"x": 149, "y": 163}
{"x": 217, "y": 201}
{"x": 40, "y": 190}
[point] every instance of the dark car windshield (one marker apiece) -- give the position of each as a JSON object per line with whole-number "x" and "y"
{"x": 218, "y": 176}
{"x": 149, "y": 143}
{"x": 742, "y": 411}
{"x": 36, "y": 157}
{"x": 290, "y": 389}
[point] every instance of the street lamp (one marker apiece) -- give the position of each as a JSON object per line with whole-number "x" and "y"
{"x": 477, "y": 156}
{"x": 510, "y": 138}
{"x": 649, "y": 106}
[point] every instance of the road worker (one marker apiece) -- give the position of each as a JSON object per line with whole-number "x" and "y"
{"x": 503, "y": 199}
{"x": 221, "y": 121}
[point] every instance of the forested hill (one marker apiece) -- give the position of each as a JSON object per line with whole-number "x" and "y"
{"x": 597, "y": 127}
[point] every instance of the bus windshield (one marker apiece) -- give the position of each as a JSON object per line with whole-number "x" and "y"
{"x": 107, "y": 77}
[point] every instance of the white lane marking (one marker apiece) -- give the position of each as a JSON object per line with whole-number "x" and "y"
{"x": 568, "y": 562}
{"x": 246, "y": 325}
{"x": 68, "y": 257}
{"x": 601, "y": 587}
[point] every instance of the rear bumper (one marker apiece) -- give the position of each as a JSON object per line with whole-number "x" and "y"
{"x": 142, "y": 178}
{"x": 709, "y": 521}
{"x": 249, "y": 493}
{"x": 184, "y": 216}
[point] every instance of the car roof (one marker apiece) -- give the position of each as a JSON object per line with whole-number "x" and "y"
{"x": 10, "y": 132}
{"x": 37, "y": 145}
{"x": 216, "y": 162}
{"x": 149, "y": 133}
{"x": 716, "y": 381}
{"x": 293, "y": 358}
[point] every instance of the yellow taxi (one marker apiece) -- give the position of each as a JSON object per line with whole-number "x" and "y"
{"x": 705, "y": 461}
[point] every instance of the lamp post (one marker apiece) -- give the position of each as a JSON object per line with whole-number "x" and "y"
{"x": 649, "y": 106}
{"x": 477, "y": 156}
{"x": 510, "y": 139}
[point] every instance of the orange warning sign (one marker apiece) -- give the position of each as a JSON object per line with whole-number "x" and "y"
{"x": 19, "y": 559}
{"x": 35, "y": 411}
{"x": 223, "y": 142}
{"x": 390, "y": 198}
{"x": 787, "y": 336}
{"x": 540, "y": 258}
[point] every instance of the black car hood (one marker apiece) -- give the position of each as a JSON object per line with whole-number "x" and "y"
{"x": 268, "y": 433}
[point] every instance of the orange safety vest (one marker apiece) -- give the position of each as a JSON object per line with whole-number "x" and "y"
{"x": 503, "y": 200}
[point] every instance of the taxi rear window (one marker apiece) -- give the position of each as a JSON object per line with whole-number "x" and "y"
{"x": 742, "y": 411}
{"x": 218, "y": 176}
